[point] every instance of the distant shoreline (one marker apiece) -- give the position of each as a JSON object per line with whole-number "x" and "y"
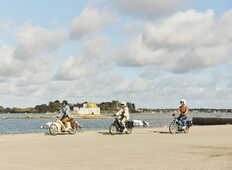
{"x": 159, "y": 111}
{"x": 107, "y": 114}
{"x": 53, "y": 117}
{"x": 168, "y": 111}
{"x": 164, "y": 111}
{"x": 191, "y": 112}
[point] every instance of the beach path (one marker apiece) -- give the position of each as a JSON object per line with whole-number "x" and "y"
{"x": 204, "y": 148}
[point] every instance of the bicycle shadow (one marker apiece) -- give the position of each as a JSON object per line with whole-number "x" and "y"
{"x": 47, "y": 134}
{"x": 161, "y": 132}
{"x": 60, "y": 134}
{"x": 109, "y": 134}
{"x": 104, "y": 133}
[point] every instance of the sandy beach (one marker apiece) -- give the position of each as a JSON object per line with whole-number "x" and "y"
{"x": 204, "y": 148}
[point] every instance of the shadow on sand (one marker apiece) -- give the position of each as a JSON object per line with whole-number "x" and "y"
{"x": 47, "y": 134}
{"x": 60, "y": 134}
{"x": 161, "y": 132}
{"x": 104, "y": 133}
{"x": 107, "y": 133}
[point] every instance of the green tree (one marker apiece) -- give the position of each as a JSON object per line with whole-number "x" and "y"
{"x": 54, "y": 106}
{"x": 43, "y": 108}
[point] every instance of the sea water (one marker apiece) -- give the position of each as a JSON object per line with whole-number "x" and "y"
{"x": 14, "y": 126}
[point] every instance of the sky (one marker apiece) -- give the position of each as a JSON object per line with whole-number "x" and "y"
{"x": 152, "y": 52}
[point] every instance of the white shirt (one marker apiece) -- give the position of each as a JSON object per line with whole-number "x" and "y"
{"x": 123, "y": 111}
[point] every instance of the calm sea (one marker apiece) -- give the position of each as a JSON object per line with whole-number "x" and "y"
{"x": 14, "y": 126}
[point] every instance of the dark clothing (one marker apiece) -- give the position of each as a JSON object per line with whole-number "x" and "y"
{"x": 65, "y": 111}
{"x": 182, "y": 119}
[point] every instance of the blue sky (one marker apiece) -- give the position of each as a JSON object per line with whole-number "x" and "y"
{"x": 139, "y": 51}
{"x": 218, "y": 6}
{"x": 40, "y": 12}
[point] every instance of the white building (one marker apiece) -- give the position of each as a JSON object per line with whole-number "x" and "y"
{"x": 88, "y": 108}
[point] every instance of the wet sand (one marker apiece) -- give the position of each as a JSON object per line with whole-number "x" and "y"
{"x": 204, "y": 148}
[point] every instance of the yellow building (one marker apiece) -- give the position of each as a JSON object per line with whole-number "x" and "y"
{"x": 90, "y": 105}
{"x": 88, "y": 108}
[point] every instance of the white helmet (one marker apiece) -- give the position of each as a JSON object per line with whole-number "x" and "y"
{"x": 182, "y": 101}
{"x": 124, "y": 103}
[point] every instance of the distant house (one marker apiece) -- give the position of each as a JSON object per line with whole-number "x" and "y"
{"x": 88, "y": 108}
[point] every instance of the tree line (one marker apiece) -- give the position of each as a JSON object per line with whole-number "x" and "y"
{"x": 55, "y": 106}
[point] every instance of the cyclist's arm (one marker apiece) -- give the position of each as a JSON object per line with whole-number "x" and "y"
{"x": 119, "y": 112}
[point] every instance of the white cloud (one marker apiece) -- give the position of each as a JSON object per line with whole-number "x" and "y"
{"x": 37, "y": 72}
{"x": 9, "y": 65}
{"x": 91, "y": 20}
{"x": 90, "y": 62}
{"x": 133, "y": 26}
{"x": 4, "y": 27}
{"x": 31, "y": 53}
{"x": 201, "y": 88}
{"x": 183, "y": 42}
{"x": 27, "y": 67}
{"x": 35, "y": 41}
{"x": 72, "y": 69}
{"x": 147, "y": 8}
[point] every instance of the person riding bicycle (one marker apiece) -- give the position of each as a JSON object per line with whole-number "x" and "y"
{"x": 183, "y": 110}
{"x": 66, "y": 113}
{"x": 123, "y": 115}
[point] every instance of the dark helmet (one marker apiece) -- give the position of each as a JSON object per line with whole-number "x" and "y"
{"x": 65, "y": 102}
